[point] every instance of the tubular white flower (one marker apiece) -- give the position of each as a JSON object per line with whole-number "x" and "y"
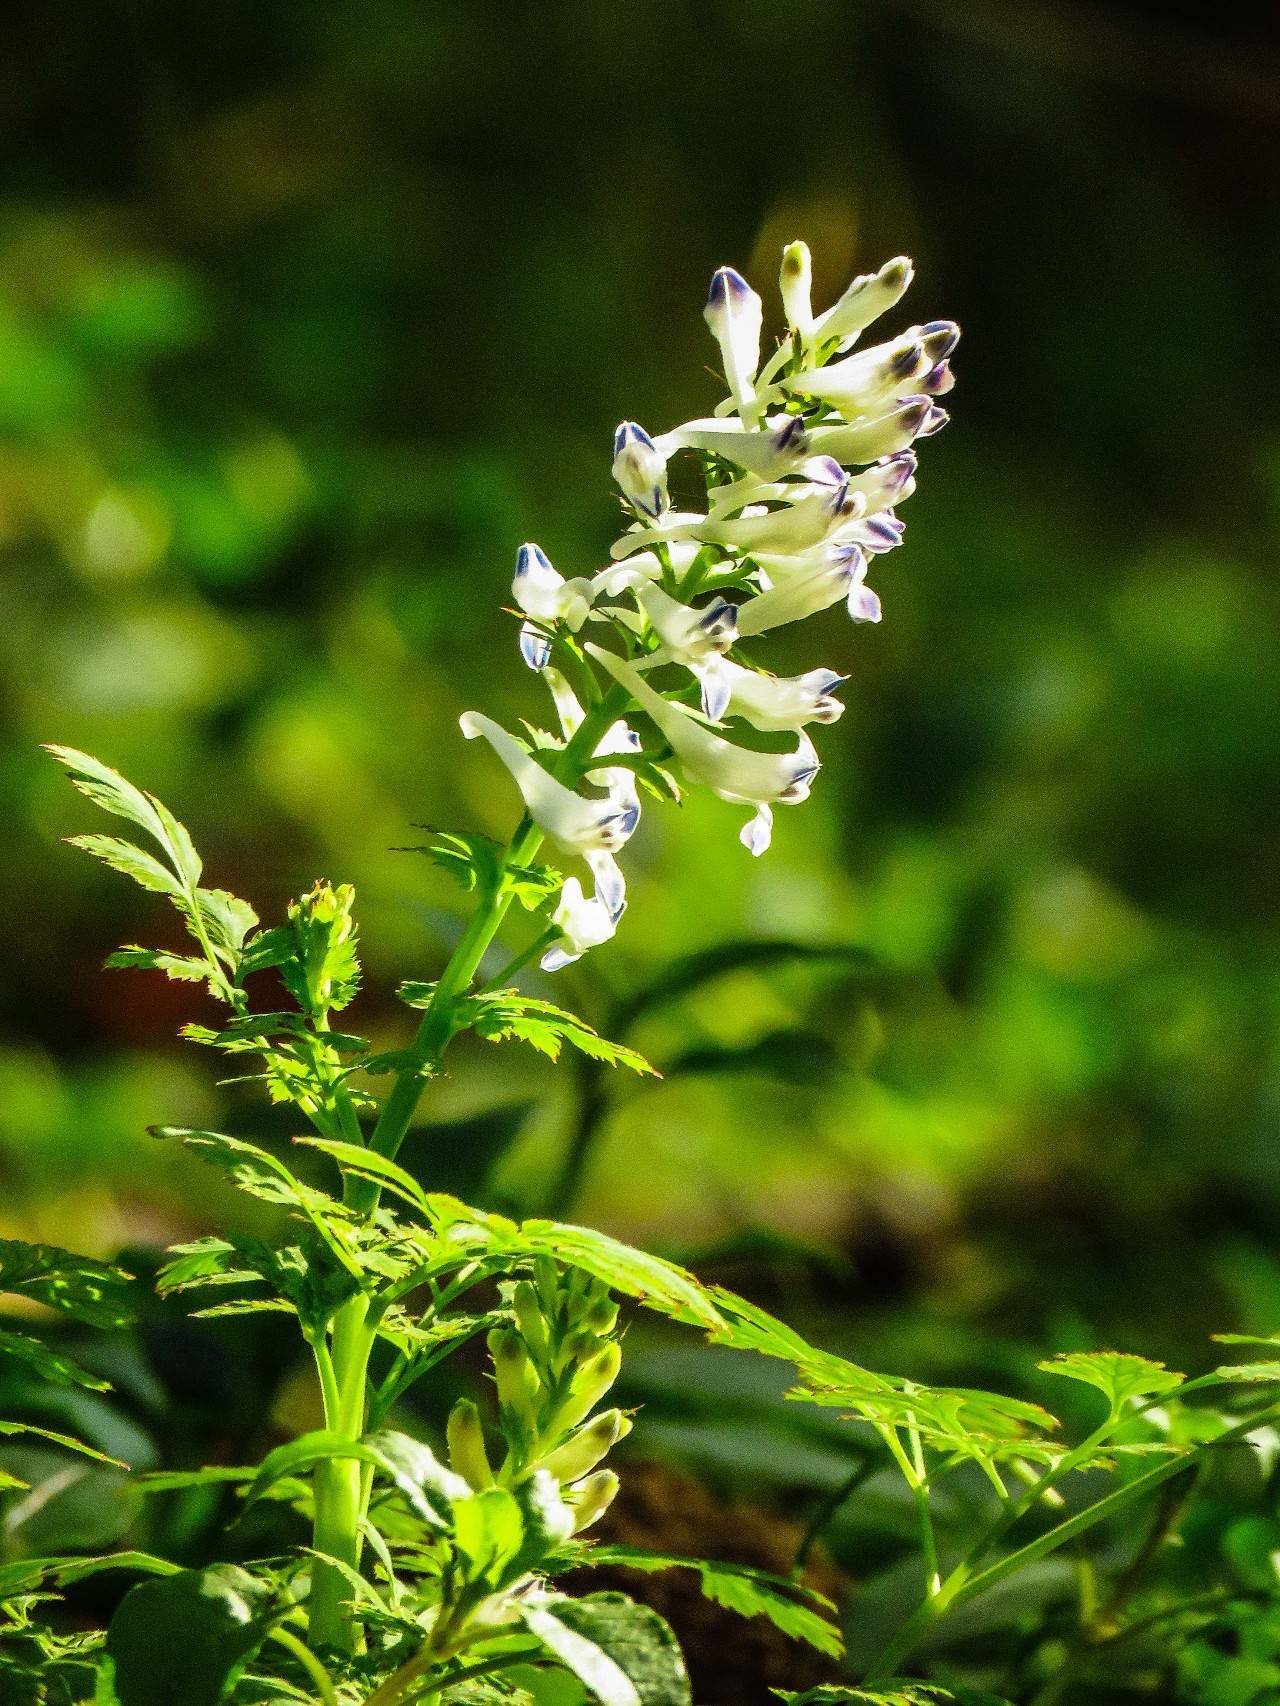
{"x": 735, "y": 315}
{"x": 594, "y": 829}
{"x": 793, "y": 596}
{"x": 696, "y": 638}
{"x": 732, "y": 772}
{"x": 887, "y": 482}
{"x": 865, "y": 300}
{"x": 583, "y": 924}
{"x": 777, "y": 448}
{"x": 795, "y": 526}
{"x": 546, "y": 596}
{"x": 774, "y": 703}
{"x": 640, "y": 468}
{"x": 861, "y": 382}
{"x": 869, "y": 440}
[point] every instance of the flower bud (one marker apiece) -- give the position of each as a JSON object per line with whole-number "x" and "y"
{"x": 860, "y": 383}
{"x": 774, "y": 703}
{"x": 591, "y": 1498}
{"x": 547, "y": 597}
{"x": 869, "y": 296}
{"x": 640, "y": 469}
{"x": 735, "y": 316}
{"x": 602, "y": 1315}
{"x": 796, "y": 283}
{"x": 584, "y": 1449}
{"x": 514, "y": 1373}
{"x": 528, "y": 1314}
{"x": 888, "y": 482}
{"x": 592, "y": 1380}
{"x": 467, "y": 1454}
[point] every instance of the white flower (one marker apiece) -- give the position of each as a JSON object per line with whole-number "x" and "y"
{"x": 640, "y": 468}
{"x": 889, "y": 481}
{"x": 732, "y": 772}
{"x": 869, "y": 440}
{"x": 805, "y": 589}
{"x": 735, "y": 315}
{"x": 777, "y": 448}
{"x": 696, "y": 638}
{"x": 594, "y": 829}
{"x": 827, "y": 501}
{"x": 865, "y": 300}
{"x": 582, "y": 924}
{"x": 775, "y": 703}
{"x": 546, "y": 596}
{"x": 861, "y": 382}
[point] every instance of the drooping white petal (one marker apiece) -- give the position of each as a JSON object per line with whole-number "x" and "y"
{"x": 583, "y": 924}
{"x": 578, "y": 825}
{"x": 732, "y": 772}
{"x": 757, "y": 832}
{"x": 640, "y": 468}
{"x": 793, "y": 527}
{"x": 735, "y": 315}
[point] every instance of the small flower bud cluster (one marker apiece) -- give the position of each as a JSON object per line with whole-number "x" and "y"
{"x": 804, "y": 464}
{"x": 552, "y": 1366}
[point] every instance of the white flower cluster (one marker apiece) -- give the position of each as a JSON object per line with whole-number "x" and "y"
{"x": 804, "y": 463}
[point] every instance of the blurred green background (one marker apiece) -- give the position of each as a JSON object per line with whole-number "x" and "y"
{"x": 309, "y": 314}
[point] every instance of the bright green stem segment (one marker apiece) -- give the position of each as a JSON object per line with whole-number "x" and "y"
{"x": 341, "y": 1488}
{"x": 338, "y": 1486}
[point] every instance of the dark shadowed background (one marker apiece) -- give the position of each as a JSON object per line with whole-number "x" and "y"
{"x": 310, "y": 314}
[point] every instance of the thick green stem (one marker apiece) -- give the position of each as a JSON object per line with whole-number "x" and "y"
{"x": 337, "y": 1485}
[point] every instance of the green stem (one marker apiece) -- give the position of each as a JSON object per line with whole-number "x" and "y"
{"x": 310, "y": 1663}
{"x": 337, "y": 1487}
{"x": 963, "y": 1584}
{"x": 340, "y": 1489}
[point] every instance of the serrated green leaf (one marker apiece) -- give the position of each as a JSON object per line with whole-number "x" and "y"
{"x": 658, "y": 1284}
{"x": 898, "y": 1694}
{"x": 130, "y": 861}
{"x": 48, "y": 1363}
{"x": 502, "y": 1014}
{"x": 67, "y": 1442}
{"x": 796, "y": 1610}
{"x": 623, "y": 1653}
{"x": 181, "y": 1640}
{"x": 179, "y": 966}
{"x": 228, "y": 920}
{"x": 93, "y": 1292}
{"x": 1116, "y": 1374}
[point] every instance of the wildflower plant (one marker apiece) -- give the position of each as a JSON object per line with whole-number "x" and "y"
{"x": 435, "y": 1567}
